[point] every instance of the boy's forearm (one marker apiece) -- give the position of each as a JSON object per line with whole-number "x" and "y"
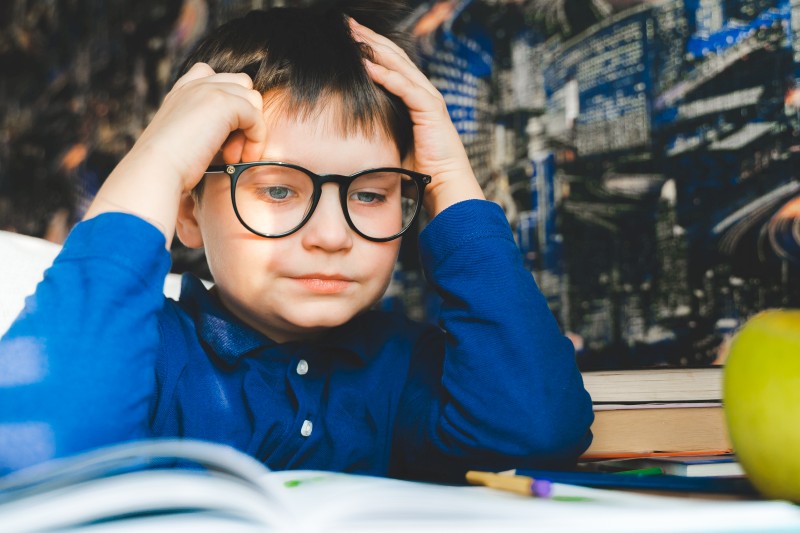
{"x": 141, "y": 185}
{"x": 511, "y": 391}
{"x": 79, "y": 362}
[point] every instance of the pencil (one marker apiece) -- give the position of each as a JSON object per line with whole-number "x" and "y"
{"x": 653, "y": 471}
{"x": 525, "y": 485}
{"x": 719, "y": 485}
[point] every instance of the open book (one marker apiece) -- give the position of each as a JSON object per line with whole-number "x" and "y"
{"x": 169, "y": 485}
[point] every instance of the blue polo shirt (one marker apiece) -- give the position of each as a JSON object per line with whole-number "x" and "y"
{"x": 99, "y": 356}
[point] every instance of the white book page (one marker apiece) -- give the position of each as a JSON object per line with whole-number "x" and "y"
{"x": 237, "y": 493}
{"x": 321, "y": 501}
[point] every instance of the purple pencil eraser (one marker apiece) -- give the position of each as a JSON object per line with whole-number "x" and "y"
{"x": 541, "y": 488}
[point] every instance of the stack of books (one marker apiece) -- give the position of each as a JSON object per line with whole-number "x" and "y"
{"x": 661, "y": 411}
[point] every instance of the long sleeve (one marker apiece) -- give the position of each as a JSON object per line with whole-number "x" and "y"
{"x": 77, "y": 366}
{"x": 507, "y": 392}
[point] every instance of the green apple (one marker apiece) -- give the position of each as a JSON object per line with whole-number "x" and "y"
{"x": 761, "y": 394}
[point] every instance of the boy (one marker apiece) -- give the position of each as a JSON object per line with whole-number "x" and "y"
{"x": 283, "y": 358}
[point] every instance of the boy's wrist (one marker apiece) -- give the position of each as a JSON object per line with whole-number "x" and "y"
{"x": 449, "y": 189}
{"x": 150, "y": 160}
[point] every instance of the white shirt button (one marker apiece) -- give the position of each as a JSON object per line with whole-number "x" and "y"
{"x": 307, "y": 428}
{"x": 302, "y": 367}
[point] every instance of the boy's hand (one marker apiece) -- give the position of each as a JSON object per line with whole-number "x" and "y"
{"x": 201, "y": 112}
{"x": 204, "y": 113}
{"x": 438, "y": 150}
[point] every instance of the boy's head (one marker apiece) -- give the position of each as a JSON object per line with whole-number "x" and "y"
{"x": 323, "y": 113}
{"x": 305, "y": 60}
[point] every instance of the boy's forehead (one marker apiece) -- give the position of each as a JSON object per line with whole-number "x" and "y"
{"x": 318, "y": 141}
{"x": 328, "y": 116}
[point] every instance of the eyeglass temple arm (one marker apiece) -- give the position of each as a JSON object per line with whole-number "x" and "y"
{"x": 216, "y": 168}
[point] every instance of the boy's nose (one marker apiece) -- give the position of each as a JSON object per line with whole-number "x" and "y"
{"x": 327, "y": 228}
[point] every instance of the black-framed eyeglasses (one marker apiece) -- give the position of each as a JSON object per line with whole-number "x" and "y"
{"x": 275, "y": 199}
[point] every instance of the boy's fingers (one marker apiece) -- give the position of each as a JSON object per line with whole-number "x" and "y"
{"x": 417, "y": 98}
{"x": 249, "y": 135}
{"x": 254, "y": 98}
{"x": 231, "y": 97}
{"x": 410, "y": 71}
{"x": 246, "y": 145}
{"x": 384, "y": 49}
{"x": 250, "y": 95}
{"x": 253, "y": 151}
{"x": 202, "y": 73}
{"x": 232, "y": 150}
{"x": 198, "y": 71}
{"x": 391, "y": 56}
{"x": 372, "y": 37}
{"x": 238, "y": 78}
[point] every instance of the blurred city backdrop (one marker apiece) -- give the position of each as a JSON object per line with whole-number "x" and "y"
{"x": 645, "y": 152}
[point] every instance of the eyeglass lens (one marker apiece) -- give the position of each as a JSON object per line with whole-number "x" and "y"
{"x": 274, "y": 200}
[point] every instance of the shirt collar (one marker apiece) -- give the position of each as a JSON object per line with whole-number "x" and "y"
{"x": 231, "y": 339}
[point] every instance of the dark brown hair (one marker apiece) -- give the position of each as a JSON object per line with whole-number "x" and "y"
{"x": 307, "y": 59}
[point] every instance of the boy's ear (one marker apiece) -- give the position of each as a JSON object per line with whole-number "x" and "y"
{"x": 187, "y": 227}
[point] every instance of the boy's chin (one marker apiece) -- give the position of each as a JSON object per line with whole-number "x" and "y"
{"x": 305, "y": 330}
{"x": 318, "y": 320}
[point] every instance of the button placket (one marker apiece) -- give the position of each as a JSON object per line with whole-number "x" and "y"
{"x": 301, "y": 369}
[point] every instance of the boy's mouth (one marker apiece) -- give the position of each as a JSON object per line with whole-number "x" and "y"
{"x": 324, "y": 284}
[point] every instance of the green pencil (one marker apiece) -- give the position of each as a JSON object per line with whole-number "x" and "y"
{"x": 654, "y": 471}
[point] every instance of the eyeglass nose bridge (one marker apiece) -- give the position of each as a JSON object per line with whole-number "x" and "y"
{"x": 341, "y": 180}
{"x": 344, "y": 184}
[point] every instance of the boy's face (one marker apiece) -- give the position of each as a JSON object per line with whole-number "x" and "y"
{"x": 316, "y": 278}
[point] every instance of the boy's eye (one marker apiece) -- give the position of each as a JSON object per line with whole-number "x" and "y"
{"x": 278, "y": 193}
{"x": 274, "y": 193}
{"x": 367, "y": 197}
